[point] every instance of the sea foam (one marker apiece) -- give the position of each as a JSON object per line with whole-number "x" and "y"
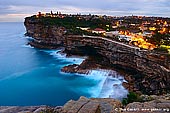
{"x": 62, "y": 56}
{"x": 27, "y": 46}
{"x": 107, "y": 86}
{"x": 108, "y": 83}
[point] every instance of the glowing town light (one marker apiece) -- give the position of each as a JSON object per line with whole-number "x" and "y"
{"x": 152, "y": 28}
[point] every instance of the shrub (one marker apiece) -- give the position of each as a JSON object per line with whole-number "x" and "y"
{"x": 161, "y": 49}
{"x": 131, "y": 97}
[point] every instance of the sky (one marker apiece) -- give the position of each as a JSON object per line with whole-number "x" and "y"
{"x": 17, "y": 10}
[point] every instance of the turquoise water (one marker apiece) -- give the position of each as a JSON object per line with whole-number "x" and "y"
{"x": 30, "y": 76}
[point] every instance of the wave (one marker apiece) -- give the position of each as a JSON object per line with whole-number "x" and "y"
{"x": 107, "y": 85}
{"x": 27, "y": 46}
{"x": 22, "y": 34}
{"x": 62, "y": 56}
{"x": 99, "y": 77}
{"x": 27, "y": 37}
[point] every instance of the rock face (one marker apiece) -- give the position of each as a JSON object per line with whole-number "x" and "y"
{"x": 85, "y": 105}
{"x": 90, "y": 63}
{"x": 155, "y": 106}
{"x": 45, "y": 36}
{"x": 155, "y": 67}
{"x": 25, "y": 109}
{"x": 160, "y": 104}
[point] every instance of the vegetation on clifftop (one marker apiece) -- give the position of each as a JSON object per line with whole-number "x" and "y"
{"x": 131, "y": 97}
{"x": 73, "y": 22}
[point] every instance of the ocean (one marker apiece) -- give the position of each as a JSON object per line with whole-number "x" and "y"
{"x": 31, "y": 76}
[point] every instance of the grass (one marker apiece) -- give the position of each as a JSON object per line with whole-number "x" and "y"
{"x": 167, "y": 47}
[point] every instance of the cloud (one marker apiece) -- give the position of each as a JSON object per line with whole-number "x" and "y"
{"x": 109, "y": 7}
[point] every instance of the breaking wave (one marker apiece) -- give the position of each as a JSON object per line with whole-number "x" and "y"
{"x": 106, "y": 83}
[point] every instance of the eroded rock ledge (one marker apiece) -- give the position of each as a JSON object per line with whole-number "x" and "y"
{"x": 159, "y": 104}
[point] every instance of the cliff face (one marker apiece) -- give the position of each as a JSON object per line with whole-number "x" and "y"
{"x": 45, "y": 36}
{"x": 154, "y": 67}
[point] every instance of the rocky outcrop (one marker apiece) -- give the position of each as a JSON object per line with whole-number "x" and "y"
{"x": 155, "y": 106}
{"x": 154, "y": 67}
{"x": 158, "y": 104}
{"x": 90, "y": 63}
{"x": 94, "y": 105}
{"x": 27, "y": 109}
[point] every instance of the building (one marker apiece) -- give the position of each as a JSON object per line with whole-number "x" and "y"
{"x": 124, "y": 37}
{"x": 147, "y": 34}
{"x": 112, "y": 33}
{"x": 152, "y": 28}
{"x": 84, "y": 28}
{"x": 99, "y": 31}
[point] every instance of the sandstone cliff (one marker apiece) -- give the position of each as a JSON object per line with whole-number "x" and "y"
{"x": 154, "y": 67}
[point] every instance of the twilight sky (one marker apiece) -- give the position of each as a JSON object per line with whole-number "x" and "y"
{"x": 16, "y": 10}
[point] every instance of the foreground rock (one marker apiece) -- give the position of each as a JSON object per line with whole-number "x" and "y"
{"x": 150, "y": 104}
{"x": 84, "y": 105}
{"x": 158, "y": 104}
{"x": 155, "y": 106}
{"x": 25, "y": 109}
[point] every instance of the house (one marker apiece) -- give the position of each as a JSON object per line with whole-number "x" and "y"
{"x": 98, "y": 31}
{"x": 40, "y": 15}
{"x": 112, "y": 33}
{"x": 48, "y": 14}
{"x": 124, "y": 37}
{"x": 114, "y": 26}
{"x": 152, "y": 28}
{"x": 147, "y": 34}
{"x": 84, "y": 28}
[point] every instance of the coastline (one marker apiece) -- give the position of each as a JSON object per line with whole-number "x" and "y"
{"x": 99, "y": 63}
{"x": 139, "y": 83}
{"x": 87, "y": 67}
{"x": 91, "y": 62}
{"x": 124, "y": 63}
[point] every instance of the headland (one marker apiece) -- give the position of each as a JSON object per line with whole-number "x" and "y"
{"x": 120, "y": 43}
{"x": 153, "y": 66}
